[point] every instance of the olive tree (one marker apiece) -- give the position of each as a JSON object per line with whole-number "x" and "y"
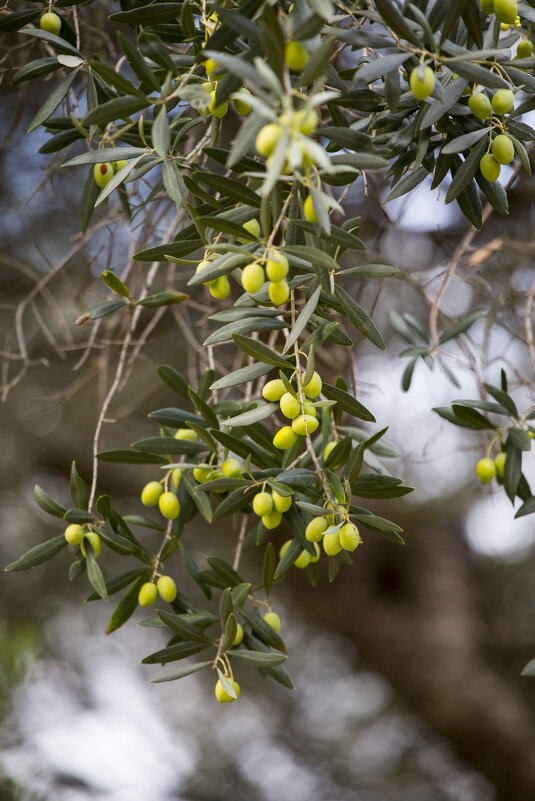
{"x": 242, "y": 130}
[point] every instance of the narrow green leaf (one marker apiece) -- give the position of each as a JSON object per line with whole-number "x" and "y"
{"x": 39, "y": 554}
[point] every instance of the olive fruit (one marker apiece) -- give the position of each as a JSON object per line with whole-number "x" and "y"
{"x": 281, "y": 503}
{"x": 210, "y": 65}
{"x": 349, "y": 537}
{"x": 241, "y": 106}
{"x": 220, "y": 110}
{"x": 274, "y": 390}
{"x": 506, "y": 10}
{"x": 232, "y": 469}
{"x": 305, "y": 424}
{"x": 309, "y": 212}
{"x": 253, "y": 227}
{"x": 202, "y": 474}
{"x": 487, "y": 6}
{"x": 525, "y": 48}
{"x": 220, "y": 288}
{"x": 503, "y": 101}
{"x": 331, "y": 543}
{"x": 306, "y": 121}
{"x": 169, "y": 505}
{"x": 295, "y": 56}
{"x": 50, "y": 22}
{"x": 490, "y": 169}
{"x": 314, "y": 530}
{"x": 499, "y": 464}
{"x": 148, "y": 594}
{"x": 176, "y": 475}
{"x": 480, "y": 106}
{"x": 485, "y": 470}
{"x": 314, "y": 386}
{"x": 277, "y": 266}
{"x": 329, "y": 449}
{"x": 103, "y": 173}
{"x": 186, "y": 434}
{"x": 279, "y": 292}
{"x": 503, "y": 149}
{"x": 252, "y": 278}
{"x": 238, "y": 639}
{"x": 94, "y": 540}
{"x": 262, "y": 504}
{"x": 290, "y": 406}
{"x": 272, "y": 520}
{"x": 150, "y": 495}
{"x": 167, "y": 589}
{"x": 422, "y": 82}
{"x": 267, "y": 139}
{"x": 273, "y": 620}
{"x": 284, "y": 438}
{"x": 118, "y": 165}
{"x": 74, "y": 534}
{"x": 303, "y": 560}
{"x": 222, "y": 695}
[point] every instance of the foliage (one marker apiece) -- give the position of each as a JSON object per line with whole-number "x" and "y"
{"x": 260, "y": 193}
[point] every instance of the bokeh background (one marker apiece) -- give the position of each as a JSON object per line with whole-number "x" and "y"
{"x": 407, "y": 668}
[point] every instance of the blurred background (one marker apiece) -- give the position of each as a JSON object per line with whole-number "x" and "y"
{"x": 407, "y": 667}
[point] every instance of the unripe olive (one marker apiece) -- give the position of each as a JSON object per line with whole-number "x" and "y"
{"x": 167, "y": 589}
{"x": 349, "y": 537}
{"x": 490, "y": 169}
{"x": 241, "y": 106}
{"x": 253, "y": 226}
{"x": 284, "y": 438}
{"x": 506, "y": 10}
{"x": 252, "y": 278}
{"x": 262, "y": 504}
{"x": 306, "y": 121}
{"x": 499, "y": 464}
{"x": 200, "y": 267}
{"x": 202, "y": 474}
{"x": 208, "y": 86}
{"x": 210, "y": 65}
{"x": 169, "y": 505}
{"x": 303, "y": 560}
{"x": 284, "y": 547}
{"x": 310, "y": 409}
{"x": 148, "y": 594}
{"x": 480, "y": 106}
{"x": 328, "y": 449}
{"x": 272, "y": 520}
{"x": 421, "y": 87}
{"x": 238, "y": 639}
{"x": 504, "y": 26}
{"x": 222, "y": 695}
{"x": 309, "y": 212}
{"x": 281, "y": 503}
{"x": 232, "y": 469}
{"x": 331, "y": 544}
{"x": 273, "y": 620}
{"x": 103, "y": 173}
{"x": 487, "y": 6}
{"x": 279, "y": 292}
{"x": 186, "y": 434}
{"x": 220, "y": 288}
{"x": 485, "y": 470}
{"x": 503, "y": 101}
{"x": 274, "y": 390}
{"x": 314, "y": 530}
{"x": 150, "y": 493}
{"x": 314, "y": 386}
{"x": 503, "y": 149}
{"x": 50, "y": 22}
{"x": 277, "y": 266}
{"x": 118, "y": 165}
{"x": 524, "y": 49}
{"x": 94, "y": 540}
{"x": 330, "y": 518}
{"x": 176, "y": 475}
{"x": 295, "y": 56}
{"x": 74, "y": 534}
{"x": 314, "y": 557}
{"x": 305, "y": 424}
{"x": 220, "y": 110}
{"x": 267, "y": 139}
{"x": 290, "y": 406}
